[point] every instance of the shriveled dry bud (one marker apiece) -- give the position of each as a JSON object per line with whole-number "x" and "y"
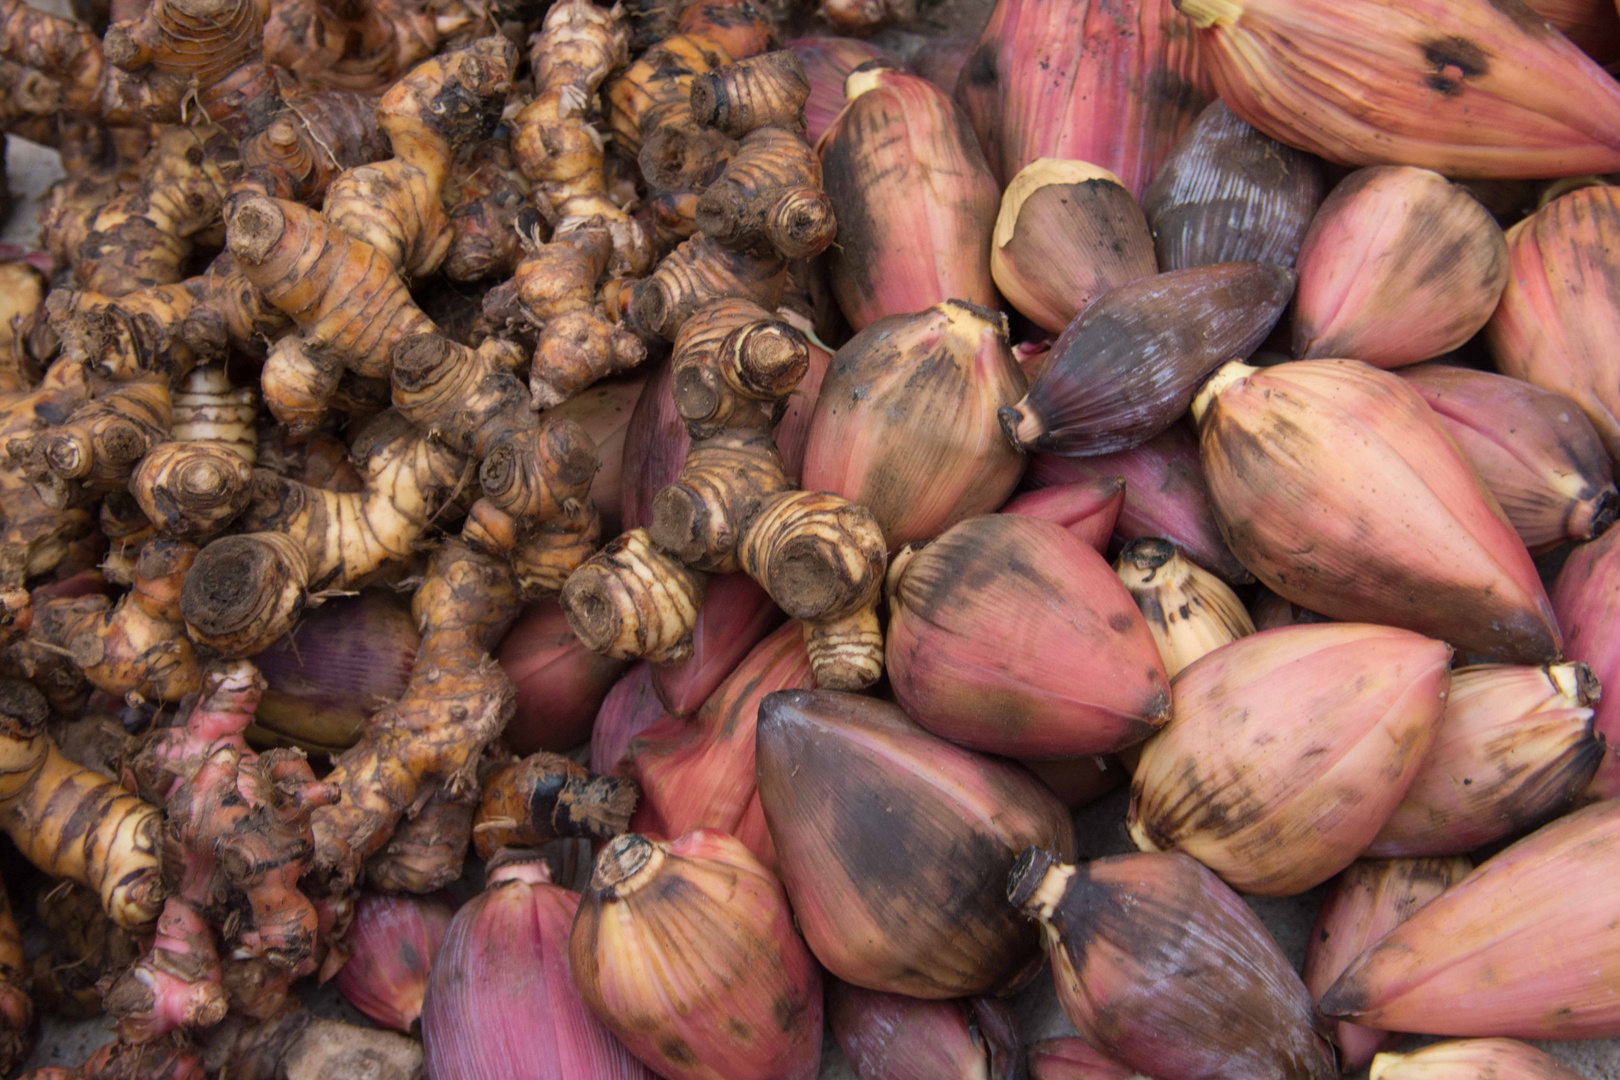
{"x": 1144, "y": 946}
{"x": 1287, "y": 750}
{"x": 1227, "y": 193}
{"x": 1067, "y": 232}
{"x": 1126, "y": 369}
{"x": 905, "y": 423}
{"x": 1399, "y": 265}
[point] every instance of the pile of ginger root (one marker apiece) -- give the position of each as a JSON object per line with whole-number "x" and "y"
{"x": 306, "y": 318}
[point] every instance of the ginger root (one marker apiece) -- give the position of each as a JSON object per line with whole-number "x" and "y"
{"x": 548, "y": 797}
{"x": 487, "y": 200}
{"x": 396, "y": 205}
{"x": 245, "y": 590}
{"x": 696, "y": 272}
{"x": 165, "y": 329}
{"x": 34, "y": 536}
{"x": 631, "y": 600}
{"x": 72, "y": 821}
{"x": 143, "y": 237}
{"x": 360, "y": 46}
{"x": 553, "y": 142}
{"x": 236, "y": 841}
{"x": 196, "y": 484}
{"x": 97, "y": 448}
{"x": 457, "y": 701}
{"x": 17, "y": 1027}
{"x": 305, "y": 146}
{"x": 139, "y": 645}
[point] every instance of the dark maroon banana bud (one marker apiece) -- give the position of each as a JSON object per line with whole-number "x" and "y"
{"x": 391, "y": 945}
{"x": 349, "y": 657}
{"x": 630, "y": 708}
{"x": 500, "y": 1002}
{"x": 1089, "y": 509}
{"x": 904, "y": 171}
{"x": 1162, "y": 966}
{"x": 735, "y": 616}
{"x": 1081, "y": 780}
{"x": 687, "y": 951}
{"x": 827, "y": 63}
{"x": 891, "y": 843}
{"x": 1074, "y": 1059}
{"x": 1127, "y": 368}
{"x": 1165, "y": 496}
{"x": 894, "y": 1037}
{"x": 905, "y": 423}
{"x": 1535, "y": 450}
{"x": 1271, "y": 611}
{"x": 1067, "y": 232}
{"x": 940, "y": 61}
{"x": 546, "y": 797}
{"x": 560, "y": 683}
{"x": 1227, "y": 193}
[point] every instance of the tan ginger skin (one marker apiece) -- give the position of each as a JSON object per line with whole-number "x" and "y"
{"x": 72, "y": 821}
{"x": 138, "y": 645}
{"x": 245, "y": 590}
{"x": 16, "y": 1007}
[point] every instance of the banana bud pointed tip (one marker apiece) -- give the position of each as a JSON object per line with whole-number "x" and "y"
{"x": 1021, "y": 428}
{"x": 1036, "y": 882}
{"x": 1140, "y": 836}
{"x": 1594, "y": 516}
